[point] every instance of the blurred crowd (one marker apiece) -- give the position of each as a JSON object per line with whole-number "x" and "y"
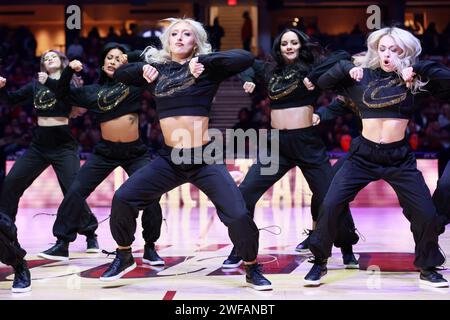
{"x": 428, "y": 131}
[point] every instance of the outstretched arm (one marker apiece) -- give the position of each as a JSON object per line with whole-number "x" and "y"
{"x": 224, "y": 64}
{"x": 134, "y": 56}
{"x": 332, "y": 59}
{"x": 256, "y": 73}
{"x": 63, "y": 87}
{"x": 338, "y": 75}
{"x": 132, "y": 74}
{"x": 437, "y": 75}
{"x": 82, "y": 96}
{"x": 20, "y": 96}
{"x": 338, "y": 107}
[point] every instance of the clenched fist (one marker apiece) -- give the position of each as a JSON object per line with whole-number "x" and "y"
{"x": 195, "y": 67}
{"x": 2, "y": 82}
{"x": 356, "y": 73}
{"x": 42, "y": 77}
{"x": 308, "y": 84}
{"x": 123, "y": 58}
{"x": 149, "y": 73}
{"x": 315, "y": 119}
{"x": 408, "y": 75}
{"x": 76, "y": 65}
{"x": 249, "y": 87}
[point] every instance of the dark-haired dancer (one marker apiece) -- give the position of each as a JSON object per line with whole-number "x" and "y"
{"x": 52, "y": 145}
{"x": 117, "y": 106}
{"x": 292, "y": 95}
{"x": 385, "y": 102}
{"x": 184, "y": 86}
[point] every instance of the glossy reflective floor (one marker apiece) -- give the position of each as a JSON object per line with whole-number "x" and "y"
{"x": 194, "y": 243}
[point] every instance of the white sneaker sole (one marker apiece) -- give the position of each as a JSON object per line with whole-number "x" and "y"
{"x": 303, "y": 250}
{"x": 434, "y": 285}
{"x": 21, "y": 290}
{"x": 260, "y": 288}
{"x": 120, "y": 275}
{"x": 231, "y": 266}
{"x": 92, "y": 250}
{"x": 153, "y": 263}
{"x": 351, "y": 266}
{"x": 312, "y": 283}
{"x": 50, "y": 257}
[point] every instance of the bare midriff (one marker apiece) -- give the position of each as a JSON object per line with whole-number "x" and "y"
{"x": 386, "y": 130}
{"x": 121, "y": 129}
{"x": 52, "y": 121}
{"x": 185, "y": 131}
{"x": 292, "y": 118}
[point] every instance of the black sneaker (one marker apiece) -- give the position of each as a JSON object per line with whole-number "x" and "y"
{"x": 317, "y": 272}
{"x": 431, "y": 277}
{"x": 121, "y": 265}
{"x": 92, "y": 245}
{"x": 233, "y": 260}
{"x": 349, "y": 259}
{"x": 303, "y": 247}
{"x": 255, "y": 278}
{"x": 151, "y": 257}
{"x": 59, "y": 252}
{"x": 22, "y": 278}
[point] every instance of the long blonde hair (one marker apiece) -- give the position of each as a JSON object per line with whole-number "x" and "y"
{"x": 405, "y": 40}
{"x": 153, "y": 55}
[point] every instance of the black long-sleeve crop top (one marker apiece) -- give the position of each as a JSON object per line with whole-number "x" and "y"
{"x": 176, "y": 91}
{"x": 382, "y": 94}
{"x": 285, "y": 85}
{"x": 44, "y": 97}
{"x": 109, "y": 100}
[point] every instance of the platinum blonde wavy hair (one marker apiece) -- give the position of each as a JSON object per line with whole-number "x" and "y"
{"x": 405, "y": 40}
{"x": 153, "y": 55}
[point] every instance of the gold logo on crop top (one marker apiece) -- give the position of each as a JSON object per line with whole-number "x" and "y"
{"x": 44, "y": 99}
{"x": 173, "y": 82}
{"x": 384, "y": 93}
{"x": 111, "y": 97}
{"x": 283, "y": 85}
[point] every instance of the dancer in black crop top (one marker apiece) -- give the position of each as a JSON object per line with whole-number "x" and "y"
{"x": 52, "y": 145}
{"x": 183, "y": 87}
{"x": 383, "y": 91}
{"x": 442, "y": 194}
{"x": 116, "y": 105}
{"x": 298, "y": 62}
{"x": 176, "y": 91}
{"x": 342, "y": 106}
